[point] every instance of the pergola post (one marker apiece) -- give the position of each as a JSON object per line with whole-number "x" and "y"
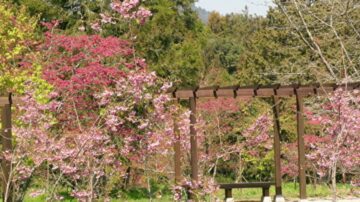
{"x": 177, "y": 155}
{"x": 277, "y": 150}
{"x": 6, "y": 140}
{"x": 193, "y": 145}
{"x": 301, "y": 145}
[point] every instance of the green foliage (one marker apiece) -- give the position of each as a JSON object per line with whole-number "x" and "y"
{"x": 227, "y": 46}
{"x": 172, "y": 41}
{"x": 17, "y": 44}
{"x": 16, "y": 40}
{"x": 259, "y": 169}
{"x": 71, "y": 13}
{"x": 42, "y": 87}
{"x": 256, "y": 50}
{"x": 182, "y": 64}
{"x": 284, "y": 48}
{"x": 274, "y": 55}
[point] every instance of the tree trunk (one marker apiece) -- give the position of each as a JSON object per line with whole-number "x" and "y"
{"x": 315, "y": 180}
{"x": 239, "y": 171}
{"x": 333, "y": 182}
{"x": 343, "y": 177}
{"x": 127, "y": 178}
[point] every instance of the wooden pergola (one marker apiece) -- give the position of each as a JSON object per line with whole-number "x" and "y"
{"x": 275, "y": 92}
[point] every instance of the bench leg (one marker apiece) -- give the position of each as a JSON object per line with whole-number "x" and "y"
{"x": 266, "y": 194}
{"x": 228, "y": 195}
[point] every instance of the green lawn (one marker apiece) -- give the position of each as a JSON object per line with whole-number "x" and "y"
{"x": 289, "y": 191}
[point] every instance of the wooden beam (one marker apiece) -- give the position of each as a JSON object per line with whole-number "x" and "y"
{"x": 307, "y": 90}
{"x": 245, "y": 185}
{"x": 285, "y": 91}
{"x": 229, "y": 91}
{"x": 207, "y": 92}
{"x": 265, "y": 92}
{"x": 193, "y": 145}
{"x": 277, "y": 146}
{"x": 5, "y": 100}
{"x": 184, "y": 94}
{"x": 6, "y": 140}
{"x": 261, "y": 91}
{"x": 246, "y": 91}
{"x": 326, "y": 89}
{"x": 301, "y": 144}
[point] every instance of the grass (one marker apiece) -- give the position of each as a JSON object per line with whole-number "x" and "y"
{"x": 290, "y": 190}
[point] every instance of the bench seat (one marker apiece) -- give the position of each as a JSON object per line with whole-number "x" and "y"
{"x": 265, "y": 186}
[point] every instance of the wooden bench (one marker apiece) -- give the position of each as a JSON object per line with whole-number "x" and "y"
{"x": 264, "y": 185}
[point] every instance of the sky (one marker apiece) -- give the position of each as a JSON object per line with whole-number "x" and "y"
{"x": 258, "y": 7}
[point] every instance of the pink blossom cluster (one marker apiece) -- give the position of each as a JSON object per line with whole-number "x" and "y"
{"x": 106, "y": 19}
{"x": 289, "y": 164}
{"x": 131, "y": 9}
{"x": 338, "y": 119}
{"x": 258, "y": 133}
{"x": 75, "y": 154}
{"x": 128, "y": 9}
{"x": 201, "y": 188}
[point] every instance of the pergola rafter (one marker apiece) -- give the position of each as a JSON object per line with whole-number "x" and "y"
{"x": 272, "y": 91}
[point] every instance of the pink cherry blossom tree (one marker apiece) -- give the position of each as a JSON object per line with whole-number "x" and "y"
{"x": 105, "y": 113}
{"x": 337, "y": 148}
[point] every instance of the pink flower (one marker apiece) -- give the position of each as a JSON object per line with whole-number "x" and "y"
{"x": 166, "y": 86}
{"x": 106, "y": 19}
{"x": 96, "y": 26}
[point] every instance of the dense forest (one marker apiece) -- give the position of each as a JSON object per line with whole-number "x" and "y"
{"x": 302, "y": 42}
{"x": 96, "y": 123}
